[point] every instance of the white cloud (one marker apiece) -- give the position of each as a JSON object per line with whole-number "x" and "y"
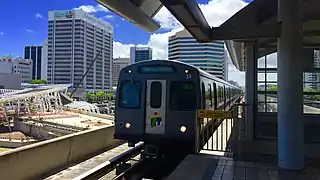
{"x": 166, "y": 19}
{"x": 215, "y": 11}
{"x": 107, "y": 17}
{"x": 1, "y": 33}
{"x": 28, "y": 30}
{"x": 38, "y": 16}
{"x": 92, "y": 9}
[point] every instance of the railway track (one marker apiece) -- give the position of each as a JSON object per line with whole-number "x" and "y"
{"x": 150, "y": 169}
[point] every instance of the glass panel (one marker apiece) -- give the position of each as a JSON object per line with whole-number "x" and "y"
{"x": 311, "y": 77}
{"x": 311, "y": 104}
{"x": 261, "y": 86}
{"x": 271, "y": 98}
{"x": 261, "y": 62}
{"x": 312, "y": 97}
{"x": 272, "y": 87}
{"x": 271, "y": 107}
{"x": 155, "y": 94}
{"x": 210, "y": 93}
{"x": 129, "y": 96}
{"x": 261, "y": 77}
{"x": 272, "y": 77}
{"x": 183, "y": 96}
{"x": 261, "y": 107}
{"x": 311, "y": 87}
{"x": 272, "y": 60}
{"x": 261, "y": 97}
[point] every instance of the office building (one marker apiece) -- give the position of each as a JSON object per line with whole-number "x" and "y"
{"x": 38, "y": 54}
{"x": 75, "y": 38}
{"x": 117, "y": 65}
{"x": 18, "y": 65}
{"x": 312, "y": 80}
{"x": 138, "y": 54}
{"x": 209, "y": 57}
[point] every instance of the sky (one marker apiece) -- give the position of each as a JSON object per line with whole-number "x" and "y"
{"x": 28, "y": 26}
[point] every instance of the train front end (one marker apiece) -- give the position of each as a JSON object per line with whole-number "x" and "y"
{"x": 156, "y": 103}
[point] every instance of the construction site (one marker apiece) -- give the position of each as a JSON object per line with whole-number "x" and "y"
{"x": 36, "y": 114}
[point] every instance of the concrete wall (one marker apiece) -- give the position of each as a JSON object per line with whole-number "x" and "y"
{"x": 31, "y": 130}
{"x": 10, "y": 81}
{"x": 6, "y": 143}
{"x": 36, "y": 160}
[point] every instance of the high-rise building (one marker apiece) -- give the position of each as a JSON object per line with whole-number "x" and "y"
{"x": 117, "y": 65}
{"x": 75, "y": 38}
{"x": 38, "y": 54}
{"x": 209, "y": 57}
{"x": 17, "y": 65}
{"x": 312, "y": 79}
{"x": 138, "y": 54}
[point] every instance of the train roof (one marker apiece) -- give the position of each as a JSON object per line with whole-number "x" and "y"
{"x": 201, "y": 72}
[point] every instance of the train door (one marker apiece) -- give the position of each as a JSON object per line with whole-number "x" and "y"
{"x": 155, "y": 107}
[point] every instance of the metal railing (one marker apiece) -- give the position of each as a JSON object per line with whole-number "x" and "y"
{"x": 222, "y": 135}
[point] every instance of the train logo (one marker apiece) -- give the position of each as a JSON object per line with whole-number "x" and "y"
{"x": 155, "y": 121}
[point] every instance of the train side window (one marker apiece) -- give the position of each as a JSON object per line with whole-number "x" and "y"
{"x": 215, "y": 95}
{"x": 183, "y": 96}
{"x": 203, "y": 90}
{"x": 156, "y": 94}
{"x": 129, "y": 94}
{"x": 210, "y": 94}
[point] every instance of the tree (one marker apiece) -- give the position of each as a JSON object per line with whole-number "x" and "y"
{"x": 38, "y": 81}
{"x": 90, "y": 97}
{"x": 100, "y": 95}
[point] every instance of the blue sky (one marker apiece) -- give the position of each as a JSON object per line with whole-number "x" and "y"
{"x": 28, "y": 23}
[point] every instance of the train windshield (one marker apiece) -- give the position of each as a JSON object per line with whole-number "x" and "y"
{"x": 183, "y": 96}
{"x": 129, "y": 94}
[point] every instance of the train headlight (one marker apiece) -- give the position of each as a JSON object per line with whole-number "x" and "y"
{"x": 186, "y": 71}
{"x": 129, "y": 71}
{"x": 183, "y": 129}
{"x": 127, "y": 125}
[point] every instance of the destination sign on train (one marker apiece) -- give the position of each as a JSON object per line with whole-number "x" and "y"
{"x": 217, "y": 114}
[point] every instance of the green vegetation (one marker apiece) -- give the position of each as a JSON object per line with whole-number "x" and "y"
{"x": 38, "y": 81}
{"x": 315, "y": 96}
{"x": 98, "y": 97}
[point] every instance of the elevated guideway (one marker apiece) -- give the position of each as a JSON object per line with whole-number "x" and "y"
{"x": 51, "y": 156}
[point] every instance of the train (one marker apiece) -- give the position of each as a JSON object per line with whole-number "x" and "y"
{"x": 157, "y": 103}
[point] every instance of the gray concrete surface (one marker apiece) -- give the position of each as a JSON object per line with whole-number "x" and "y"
{"x": 36, "y": 160}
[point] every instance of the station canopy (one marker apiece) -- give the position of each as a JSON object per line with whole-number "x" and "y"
{"x": 258, "y": 21}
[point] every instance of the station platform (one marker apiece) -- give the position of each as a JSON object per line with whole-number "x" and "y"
{"x": 214, "y": 167}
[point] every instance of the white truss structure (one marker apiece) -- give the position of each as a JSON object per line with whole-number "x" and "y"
{"x": 44, "y": 99}
{"x": 84, "y": 106}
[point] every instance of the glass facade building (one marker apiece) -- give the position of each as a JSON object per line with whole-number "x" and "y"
{"x": 138, "y": 54}
{"x": 209, "y": 57}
